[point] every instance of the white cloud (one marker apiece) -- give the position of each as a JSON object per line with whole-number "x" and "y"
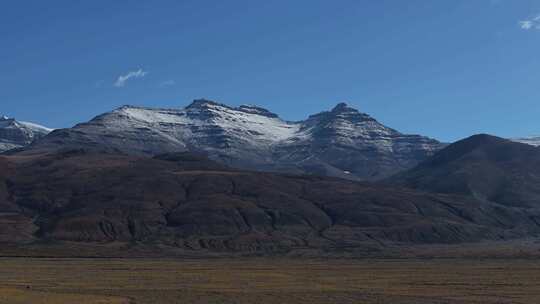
{"x": 167, "y": 83}
{"x": 526, "y": 24}
{"x": 122, "y": 79}
{"x": 530, "y": 24}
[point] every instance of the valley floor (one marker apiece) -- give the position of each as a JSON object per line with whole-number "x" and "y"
{"x": 265, "y": 280}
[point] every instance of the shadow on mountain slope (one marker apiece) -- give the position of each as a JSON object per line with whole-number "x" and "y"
{"x": 190, "y": 202}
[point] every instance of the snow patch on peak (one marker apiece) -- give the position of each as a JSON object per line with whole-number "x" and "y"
{"x": 35, "y": 127}
{"x": 16, "y": 134}
{"x": 531, "y": 140}
{"x": 148, "y": 115}
{"x": 206, "y": 103}
{"x": 201, "y": 120}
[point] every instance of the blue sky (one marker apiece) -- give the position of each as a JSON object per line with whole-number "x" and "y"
{"x": 446, "y": 69}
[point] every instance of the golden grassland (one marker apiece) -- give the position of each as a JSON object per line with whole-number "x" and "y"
{"x": 264, "y": 280}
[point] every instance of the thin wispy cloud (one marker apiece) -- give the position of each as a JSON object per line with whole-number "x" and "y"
{"x": 123, "y": 79}
{"x": 167, "y": 83}
{"x": 530, "y": 24}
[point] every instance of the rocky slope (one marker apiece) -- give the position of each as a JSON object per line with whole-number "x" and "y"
{"x": 489, "y": 168}
{"x": 342, "y": 142}
{"x": 17, "y": 134}
{"x": 189, "y": 202}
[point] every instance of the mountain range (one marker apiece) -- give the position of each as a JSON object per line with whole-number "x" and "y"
{"x": 192, "y": 179}
{"x": 341, "y": 142}
{"x": 185, "y": 201}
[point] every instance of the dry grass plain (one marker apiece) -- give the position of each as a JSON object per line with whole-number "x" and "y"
{"x": 262, "y": 280}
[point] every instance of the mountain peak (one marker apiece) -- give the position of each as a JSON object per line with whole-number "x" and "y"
{"x": 495, "y": 146}
{"x": 128, "y": 106}
{"x": 198, "y": 104}
{"x": 344, "y": 111}
{"x": 342, "y": 106}
{"x": 478, "y": 140}
{"x": 16, "y": 134}
{"x": 204, "y": 103}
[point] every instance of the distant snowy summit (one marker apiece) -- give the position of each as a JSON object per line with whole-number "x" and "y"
{"x": 342, "y": 142}
{"x": 532, "y": 140}
{"x": 17, "y": 134}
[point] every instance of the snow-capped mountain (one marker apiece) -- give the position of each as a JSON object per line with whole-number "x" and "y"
{"x": 17, "y": 134}
{"x": 345, "y": 141}
{"x": 342, "y": 142}
{"x": 533, "y": 140}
